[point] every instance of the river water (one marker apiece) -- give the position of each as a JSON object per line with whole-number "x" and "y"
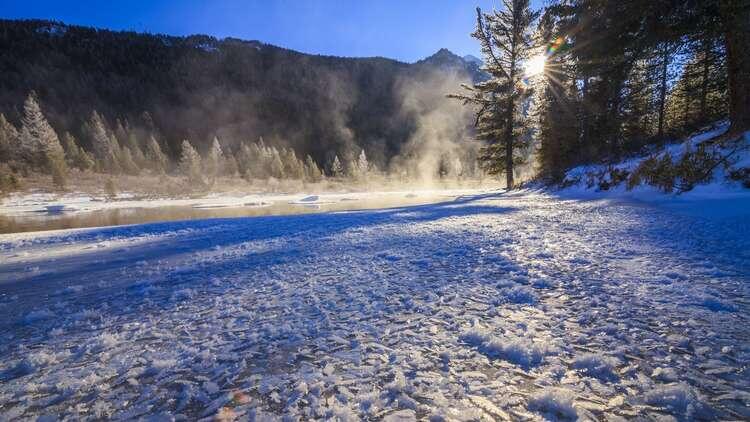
{"x": 40, "y": 220}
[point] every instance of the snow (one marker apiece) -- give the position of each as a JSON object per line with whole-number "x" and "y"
{"x": 582, "y": 182}
{"x": 514, "y": 306}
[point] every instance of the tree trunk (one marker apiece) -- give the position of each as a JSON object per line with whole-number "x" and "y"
{"x": 509, "y": 143}
{"x": 736, "y": 19}
{"x": 663, "y": 89}
{"x": 509, "y": 164}
{"x": 704, "y": 81}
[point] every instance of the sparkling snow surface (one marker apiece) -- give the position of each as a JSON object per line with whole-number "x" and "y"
{"x": 492, "y": 307}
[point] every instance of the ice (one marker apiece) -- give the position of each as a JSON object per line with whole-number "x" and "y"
{"x": 597, "y": 366}
{"x": 510, "y": 306}
{"x": 677, "y": 399}
{"x": 520, "y": 351}
{"x": 554, "y": 404}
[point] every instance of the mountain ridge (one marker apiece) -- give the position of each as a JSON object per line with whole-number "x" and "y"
{"x": 198, "y": 86}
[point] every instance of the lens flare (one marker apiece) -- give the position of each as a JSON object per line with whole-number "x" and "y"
{"x": 535, "y": 65}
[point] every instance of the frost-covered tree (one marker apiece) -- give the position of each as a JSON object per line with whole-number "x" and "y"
{"x": 39, "y": 143}
{"x": 293, "y": 167}
{"x": 155, "y": 158}
{"x": 337, "y": 169}
{"x": 8, "y": 140}
{"x": 76, "y": 156}
{"x": 190, "y": 163}
{"x": 230, "y": 167}
{"x": 312, "y": 171}
{"x": 135, "y": 148}
{"x": 362, "y": 166}
{"x": 127, "y": 162}
{"x": 104, "y": 144}
{"x": 275, "y": 165}
{"x": 243, "y": 156}
{"x": 214, "y": 161}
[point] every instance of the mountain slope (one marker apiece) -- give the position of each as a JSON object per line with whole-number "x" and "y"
{"x": 198, "y": 87}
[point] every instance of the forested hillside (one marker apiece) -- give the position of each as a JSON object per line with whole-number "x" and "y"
{"x": 199, "y": 87}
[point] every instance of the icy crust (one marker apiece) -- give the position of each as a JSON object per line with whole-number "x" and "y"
{"x": 495, "y": 307}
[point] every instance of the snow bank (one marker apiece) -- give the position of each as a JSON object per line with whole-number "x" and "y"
{"x": 600, "y": 180}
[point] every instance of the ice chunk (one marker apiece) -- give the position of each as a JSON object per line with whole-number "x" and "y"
{"x": 554, "y": 404}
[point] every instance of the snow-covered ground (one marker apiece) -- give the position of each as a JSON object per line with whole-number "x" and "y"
{"x": 583, "y": 180}
{"x": 493, "y": 306}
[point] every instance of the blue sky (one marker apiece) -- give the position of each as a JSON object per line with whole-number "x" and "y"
{"x": 406, "y": 30}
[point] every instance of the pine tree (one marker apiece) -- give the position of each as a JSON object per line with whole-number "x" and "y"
{"x": 39, "y": 142}
{"x": 293, "y": 168}
{"x": 362, "y": 166}
{"x": 127, "y": 162}
{"x": 135, "y": 148}
{"x": 274, "y": 164}
{"x": 506, "y": 43}
{"x": 8, "y": 140}
{"x": 230, "y": 168}
{"x": 735, "y": 19}
{"x": 312, "y": 171}
{"x": 156, "y": 159}
{"x": 190, "y": 163}
{"x": 75, "y": 156}
{"x": 337, "y": 169}
{"x": 104, "y": 144}
{"x": 214, "y": 162}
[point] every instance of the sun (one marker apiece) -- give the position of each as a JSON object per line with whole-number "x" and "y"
{"x": 534, "y": 65}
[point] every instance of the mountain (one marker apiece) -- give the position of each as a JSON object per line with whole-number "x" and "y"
{"x": 198, "y": 87}
{"x": 446, "y": 60}
{"x": 472, "y": 59}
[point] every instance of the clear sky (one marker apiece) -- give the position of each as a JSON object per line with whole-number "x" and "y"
{"x": 406, "y": 30}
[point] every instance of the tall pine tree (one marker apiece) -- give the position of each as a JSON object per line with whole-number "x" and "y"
{"x": 506, "y": 43}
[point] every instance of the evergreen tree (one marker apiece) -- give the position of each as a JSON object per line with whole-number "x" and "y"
{"x": 214, "y": 162}
{"x": 135, "y": 148}
{"x": 312, "y": 171}
{"x": 362, "y": 166}
{"x": 38, "y": 141}
{"x": 274, "y": 164}
{"x": 190, "y": 163}
{"x": 8, "y": 140}
{"x": 230, "y": 168}
{"x": 293, "y": 167}
{"x": 104, "y": 144}
{"x": 337, "y": 169}
{"x": 127, "y": 162}
{"x": 735, "y": 19}
{"x": 506, "y": 43}
{"x": 558, "y": 108}
{"x": 75, "y": 156}
{"x": 155, "y": 158}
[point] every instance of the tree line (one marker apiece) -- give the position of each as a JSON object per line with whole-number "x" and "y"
{"x": 619, "y": 78}
{"x": 119, "y": 149}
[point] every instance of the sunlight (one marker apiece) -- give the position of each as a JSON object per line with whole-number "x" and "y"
{"x": 535, "y": 65}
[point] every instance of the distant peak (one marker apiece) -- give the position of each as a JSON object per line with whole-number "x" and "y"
{"x": 444, "y": 52}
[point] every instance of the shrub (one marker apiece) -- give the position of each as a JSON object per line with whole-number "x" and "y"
{"x": 696, "y": 167}
{"x": 658, "y": 172}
